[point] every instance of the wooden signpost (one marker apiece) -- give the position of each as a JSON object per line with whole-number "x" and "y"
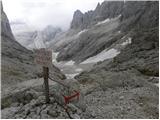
{"x": 44, "y": 58}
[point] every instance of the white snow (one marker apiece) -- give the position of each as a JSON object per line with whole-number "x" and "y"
{"x": 108, "y": 20}
{"x": 70, "y": 76}
{"x": 54, "y": 56}
{"x": 22, "y": 27}
{"x": 71, "y": 62}
{"x": 128, "y": 41}
{"x": 81, "y": 32}
{"x": 104, "y": 21}
{"x": 102, "y": 56}
{"x": 79, "y": 70}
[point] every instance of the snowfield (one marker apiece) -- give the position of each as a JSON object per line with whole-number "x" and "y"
{"x": 71, "y": 62}
{"x": 105, "y": 54}
{"x": 79, "y": 70}
{"x": 104, "y": 21}
{"x": 108, "y": 20}
{"x": 78, "y": 34}
{"x": 71, "y": 76}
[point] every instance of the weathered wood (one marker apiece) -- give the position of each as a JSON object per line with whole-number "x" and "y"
{"x": 43, "y": 57}
{"x": 46, "y": 76}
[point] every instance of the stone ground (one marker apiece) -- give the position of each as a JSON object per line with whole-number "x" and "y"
{"x": 106, "y": 98}
{"x": 38, "y": 109}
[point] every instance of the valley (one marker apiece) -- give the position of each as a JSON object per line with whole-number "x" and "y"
{"x": 110, "y": 55}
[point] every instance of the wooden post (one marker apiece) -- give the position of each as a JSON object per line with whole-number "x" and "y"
{"x": 44, "y": 58}
{"x": 46, "y": 75}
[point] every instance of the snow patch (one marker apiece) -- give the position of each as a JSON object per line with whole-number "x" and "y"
{"x": 70, "y": 76}
{"x": 108, "y": 20}
{"x": 54, "y": 56}
{"x": 104, "y": 21}
{"x": 82, "y": 31}
{"x": 105, "y": 54}
{"x": 79, "y": 33}
{"x": 79, "y": 70}
{"x": 71, "y": 62}
{"x": 128, "y": 41}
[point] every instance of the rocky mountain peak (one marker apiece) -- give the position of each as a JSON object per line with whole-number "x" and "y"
{"x": 108, "y": 9}
{"x": 1, "y": 5}
{"x": 6, "y": 30}
{"x": 77, "y": 19}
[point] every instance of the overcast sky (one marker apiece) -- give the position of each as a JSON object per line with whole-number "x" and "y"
{"x": 39, "y": 13}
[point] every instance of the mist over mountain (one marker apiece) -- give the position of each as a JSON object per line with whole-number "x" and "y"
{"x": 42, "y": 13}
{"x": 32, "y": 38}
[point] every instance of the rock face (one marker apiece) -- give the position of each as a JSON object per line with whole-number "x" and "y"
{"x": 102, "y": 12}
{"x": 111, "y": 9}
{"x": 137, "y": 20}
{"x": 140, "y": 15}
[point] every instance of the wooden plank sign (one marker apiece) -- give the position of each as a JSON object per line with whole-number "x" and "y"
{"x": 43, "y": 57}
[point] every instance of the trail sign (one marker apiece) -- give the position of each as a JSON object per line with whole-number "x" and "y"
{"x": 43, "y": 57}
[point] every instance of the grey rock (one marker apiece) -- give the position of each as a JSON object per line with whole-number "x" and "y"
{"x": 33, "y": 103}
{"x": 38, "y": 110}
{"x": 103, "y": 11}
{"x": 43, "y": 107}
{"x": 121, "y": 97}
{"x": 15, "y": 104}
{"x": 73, "y": 108}
{"x": 53, "y": 113}
{"x": 75, "y": 116}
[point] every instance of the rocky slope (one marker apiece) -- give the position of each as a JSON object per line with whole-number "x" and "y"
{"x": 124, "y": 42}
{"x": 17, "y": 61}
{"x": 129, "y": 72}
{"x": 137, "y": 21}
{"x": 101, "y": 35}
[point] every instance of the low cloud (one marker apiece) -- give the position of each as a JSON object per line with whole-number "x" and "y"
{"x": 40, "y": 13}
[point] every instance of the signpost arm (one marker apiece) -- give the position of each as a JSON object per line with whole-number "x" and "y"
{"x": 46, "y": 75}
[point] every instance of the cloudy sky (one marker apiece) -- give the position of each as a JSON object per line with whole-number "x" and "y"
{"x": 40, "y": 13}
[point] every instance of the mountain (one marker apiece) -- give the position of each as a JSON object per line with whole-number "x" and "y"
{"x": 121, "y": 40}
{"x": 17, "y": 63}
{"x": 117, "y": 23}
{"x": 32, "y": 38}
{"x": 102, "y": 12}
{"x": 114, "y": 52}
